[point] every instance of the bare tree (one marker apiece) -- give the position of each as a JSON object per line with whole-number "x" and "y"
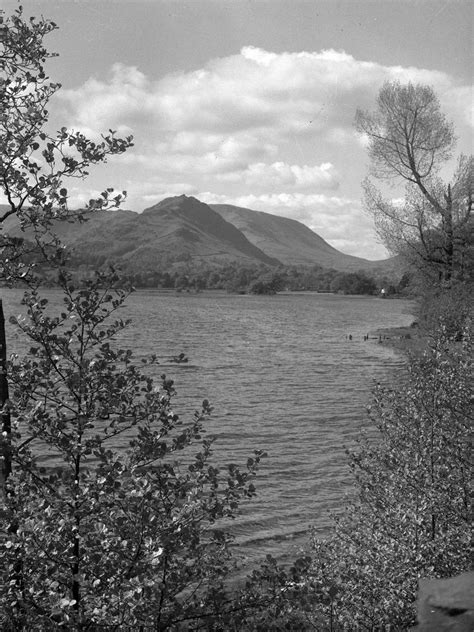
{"x": 410, "y": 140}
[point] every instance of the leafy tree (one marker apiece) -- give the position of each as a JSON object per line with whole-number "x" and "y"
{"x": 276, "y": 598}
{"x": 353, "y": 283}
{"x": 450, "y": 309}
{"x": 412, "y": 514}
{"x": 181, "y": 282}
{"x": 121, "y": 531}
{"x": 410, "y": 140}
{"x": 109, "y": 517}
{"x": 33, "y": 161}
{"x": 267, "y": 283}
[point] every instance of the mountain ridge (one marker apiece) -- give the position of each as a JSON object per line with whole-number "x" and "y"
{"x": 291, "y": 241}
{"x": 182, "y": 228}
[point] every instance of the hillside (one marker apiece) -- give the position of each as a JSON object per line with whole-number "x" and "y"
{"x": 183, "y": 229}
{"x": 185, "y": 225}
{"x": 291, "y": 242}
{"x": 177, "y": 229}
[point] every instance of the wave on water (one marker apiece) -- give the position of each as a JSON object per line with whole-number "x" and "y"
{"x": 282, "y": 377}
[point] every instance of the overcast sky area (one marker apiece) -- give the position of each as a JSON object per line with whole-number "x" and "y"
{"x": 251, "y": 102}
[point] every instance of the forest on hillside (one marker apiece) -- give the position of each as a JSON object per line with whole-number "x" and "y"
{"x": 263, "y": 279}
{"x": 191, "y": 276}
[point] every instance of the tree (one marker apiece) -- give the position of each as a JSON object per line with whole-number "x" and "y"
{"x": 34, "y": 162}
{"x": 411, "y": 516}
{"x": 410, "y": 140}
{"x": 122, "y": 530}
{"x": 114, "y": 529}
{"x": 353, "y": 283}
{"x": 267, "y": 283}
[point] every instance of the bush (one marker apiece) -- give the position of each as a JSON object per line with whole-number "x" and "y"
{"x": 450, "y": 308}
{"x": 411, "y": 517}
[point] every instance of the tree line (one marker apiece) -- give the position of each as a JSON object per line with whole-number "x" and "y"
{"x": 262, "y": 279}
{"x": 235, "y": 277}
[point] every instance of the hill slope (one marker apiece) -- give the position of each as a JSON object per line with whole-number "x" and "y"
{"x": 184, "y": 229}
{"x": 291, "y": 242}
{"x": 177, "y": 229}
{"x": 184, "y": 224}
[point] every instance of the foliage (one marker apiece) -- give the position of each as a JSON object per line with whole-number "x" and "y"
{"x": 120, "y": 531}
{"x": 410, "y": 140}
{"x": 269, "y": 283}
{"x": 33, "y": 161}
{"x": 411, "y": 518}
{"x": 256, "y": 279}
{"x": 110, "y": 514}
{"x": 449, "y": 308}
{"x": 278, "y": 598}
{"x": 353, "y": 283}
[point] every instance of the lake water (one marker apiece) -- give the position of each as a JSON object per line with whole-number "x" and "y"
{"x": 282, "y": 376}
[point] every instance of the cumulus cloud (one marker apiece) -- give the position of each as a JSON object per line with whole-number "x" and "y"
{"x": 244, "y": 103}
{"x": 198, "y": 153}
{"x": 280, "y": 174}
{"x": 460, "y": 102}
{"x": 251, "y": 89}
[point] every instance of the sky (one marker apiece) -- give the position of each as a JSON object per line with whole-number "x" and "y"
{"x": 251, "y": 102}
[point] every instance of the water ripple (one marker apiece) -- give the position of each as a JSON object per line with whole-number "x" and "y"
{"x": 283, "y": 377}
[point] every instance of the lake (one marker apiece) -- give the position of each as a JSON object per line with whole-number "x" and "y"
{"x": 282, "y": 376}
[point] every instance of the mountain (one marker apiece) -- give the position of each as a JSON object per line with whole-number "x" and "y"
{"x": 184, "y": 224}
{"x": 184, "y": 229}
{"x": 105, "y": 235}
{"x": 291, "y": 242}
{"x": 177, "y": 229}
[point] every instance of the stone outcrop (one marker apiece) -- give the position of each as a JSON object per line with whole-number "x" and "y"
{"x": 446, "y": 605}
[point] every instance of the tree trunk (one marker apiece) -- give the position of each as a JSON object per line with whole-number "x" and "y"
{"x": 5, "y": 413}
{"x": 449, "y": 235}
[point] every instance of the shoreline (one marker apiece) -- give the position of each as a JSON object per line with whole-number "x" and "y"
{"x": 408, "y": 339}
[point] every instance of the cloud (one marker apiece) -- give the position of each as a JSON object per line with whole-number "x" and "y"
{"x": 271, "y": 131}
{"x": 243, "y": 104}
{"x": 99, "y": 105}
{"x": 199, "y": 153}
{"x": 460, "y": 102}
{"x": 284, "y": 176}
